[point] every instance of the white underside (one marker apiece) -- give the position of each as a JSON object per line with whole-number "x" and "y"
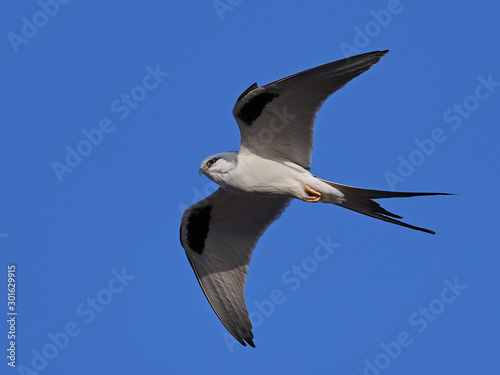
{"x": 255, "y": 175}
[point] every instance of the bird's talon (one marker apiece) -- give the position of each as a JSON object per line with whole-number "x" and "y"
{"x": 312, "y": 195}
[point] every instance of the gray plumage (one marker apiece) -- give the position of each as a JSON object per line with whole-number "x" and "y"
{"x": 257, "y": 183}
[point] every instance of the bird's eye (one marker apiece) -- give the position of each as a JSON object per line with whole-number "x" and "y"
{"x": 211, "y": 162}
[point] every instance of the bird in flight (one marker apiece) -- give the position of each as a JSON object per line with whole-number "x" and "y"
{"x": 258, "y": 182}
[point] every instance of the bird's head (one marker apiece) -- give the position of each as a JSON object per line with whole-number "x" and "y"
{"x": 216, "y": 165}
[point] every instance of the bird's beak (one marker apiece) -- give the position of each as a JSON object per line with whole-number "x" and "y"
{"x": 201, "y": 171}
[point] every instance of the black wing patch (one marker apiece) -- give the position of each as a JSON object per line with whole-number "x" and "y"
{"x": 198, "y": 224}
{"x": 254, "y": 107}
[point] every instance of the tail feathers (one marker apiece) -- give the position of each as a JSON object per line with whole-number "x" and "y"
{"x": 360, "y": 200}
{"x": 366, "y": 207}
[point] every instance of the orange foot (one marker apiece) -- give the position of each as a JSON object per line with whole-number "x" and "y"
{"x": 312, "y": 195}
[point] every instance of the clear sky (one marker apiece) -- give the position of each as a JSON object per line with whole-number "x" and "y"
{"x": 108, "y": 109}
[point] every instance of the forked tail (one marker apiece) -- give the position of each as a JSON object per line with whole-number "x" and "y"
{"x": 361, "y": 200}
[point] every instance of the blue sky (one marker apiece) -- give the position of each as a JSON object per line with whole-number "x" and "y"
{"x": 107, "y": 111}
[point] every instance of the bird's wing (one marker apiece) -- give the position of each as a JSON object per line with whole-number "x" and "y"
{"x": 219, "y": 234}
{"x": 277, "y": 119}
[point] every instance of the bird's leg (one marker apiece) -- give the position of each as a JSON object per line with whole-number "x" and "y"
{"x": 312, "y": 195}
